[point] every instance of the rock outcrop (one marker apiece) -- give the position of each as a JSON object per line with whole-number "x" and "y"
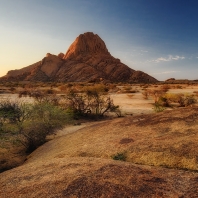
{"x": 87, "y": 59}
{"x": 86, "y": 44}
{"x": 161, "y": 160}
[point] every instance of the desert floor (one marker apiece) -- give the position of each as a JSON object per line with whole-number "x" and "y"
{"x": 160, "y": 151}
{"x": 129, "y": 103}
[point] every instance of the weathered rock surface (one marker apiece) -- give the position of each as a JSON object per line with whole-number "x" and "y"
{"x": 61, "y": 55}
{"x": 87, "y": 59}
{"x": 79, "y": 164}
{"x": 87, "y": 43}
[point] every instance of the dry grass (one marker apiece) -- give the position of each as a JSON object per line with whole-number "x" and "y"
{"x": 91, "y": 177}
{"x": 161, "y": 151}
{"x": 79, "y": 164}
{"x": 12, "y": 154}
{"x": 165, "y": 139}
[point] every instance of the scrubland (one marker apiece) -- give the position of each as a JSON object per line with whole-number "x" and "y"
{"x": 113, "y": 140}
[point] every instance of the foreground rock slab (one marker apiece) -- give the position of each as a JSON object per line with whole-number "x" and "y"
{"x": 89, "y": 177}
{"x": 161, "y": 160}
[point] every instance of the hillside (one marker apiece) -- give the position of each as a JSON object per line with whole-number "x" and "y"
{"x": 87, "y": 59}
{"x": 161, "y": 160}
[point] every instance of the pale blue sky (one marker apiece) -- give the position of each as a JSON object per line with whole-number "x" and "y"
{"x": 159, "y": 37}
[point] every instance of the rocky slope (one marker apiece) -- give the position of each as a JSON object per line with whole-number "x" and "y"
{"x": 161, "y": 160}
{"x": 87, "y": 59}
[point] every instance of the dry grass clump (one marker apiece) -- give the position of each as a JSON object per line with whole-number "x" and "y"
{"x": 145, "y": 94}
{"x": 154, "y": 93}
{"x": 181, "y": 100}
{"x": 165, "y": 88}
{"x": 100, "y": 88}
{"x": 179, "y": 87}
{"x": 196, "y": 93}
{"x": 128, "y": 89}
{"x": 162, "y": 98}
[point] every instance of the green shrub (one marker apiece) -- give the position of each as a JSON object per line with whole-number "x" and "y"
{"x": 158, "y": 107}
{"x": 119, "y": 156}
{"x": 45, "y": 118}
{"x": 12, "y": 111}
{"x": 31, "y": 122}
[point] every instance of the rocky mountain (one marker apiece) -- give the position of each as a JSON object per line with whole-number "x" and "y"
{"x": 87, "y": 59}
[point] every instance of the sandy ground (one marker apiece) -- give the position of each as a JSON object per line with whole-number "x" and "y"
{"x": 129, "y": 103}
{"x": 133, "y": 103}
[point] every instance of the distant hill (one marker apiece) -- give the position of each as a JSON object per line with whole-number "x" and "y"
{"x": 87, "y": 59}
{"x": 180, "y": 81}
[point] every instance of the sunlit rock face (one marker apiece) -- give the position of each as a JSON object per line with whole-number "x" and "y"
{"x": 87, "y": 43}
{"x": 87, "y": 59}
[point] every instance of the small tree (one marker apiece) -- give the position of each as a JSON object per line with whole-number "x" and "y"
{"x": 13, "y": 111}
{"x": 90, "y": 103}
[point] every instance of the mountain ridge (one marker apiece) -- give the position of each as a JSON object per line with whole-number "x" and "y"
{"x": 87, "y": 59}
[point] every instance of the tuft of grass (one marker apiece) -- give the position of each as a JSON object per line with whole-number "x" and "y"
{"x": 158, "y": 108}
{"x": 119, "y": 156}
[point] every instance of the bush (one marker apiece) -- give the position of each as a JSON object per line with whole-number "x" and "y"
{"x": 178, "y": 87}
{"x": 45, "y": 119}
{"x": 165, "y": 87}
{"x": 92, "y": 103}
{"x": 158, "y": 108}
{"x": 156, "y": 94}
{"x": 31, "y": 122}
{"x": 12, "y": 111}
{"x": 99, "y": 88}
{"x": 183, "y": 100}
{"x": 120, "y": 156}
{"x": 164, "y": 101}
{"x": 145, "y": 94}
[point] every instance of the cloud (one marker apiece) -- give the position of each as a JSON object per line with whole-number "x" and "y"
{"x": 166, "y": 72}
{"x": 169, "y": 58}
{"x": 144, "y": 51}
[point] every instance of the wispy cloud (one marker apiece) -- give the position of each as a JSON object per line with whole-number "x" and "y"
{"x": 167, "y": 72}
{"x": 145, "y": 51}
{"x": 169, "y": 58}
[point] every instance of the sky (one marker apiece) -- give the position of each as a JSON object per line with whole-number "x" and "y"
{"x": 159, "y": 37}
